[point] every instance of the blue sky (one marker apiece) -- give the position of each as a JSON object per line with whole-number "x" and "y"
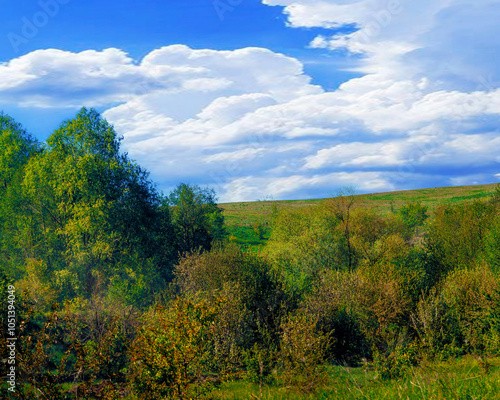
{"x": 281, "y": 98}
{"x": 140, "y": 27}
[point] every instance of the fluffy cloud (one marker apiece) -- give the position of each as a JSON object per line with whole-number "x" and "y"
{"x": 303, "y": 186}
{"x": 47, "y": 78}
{"x": 452, "y": 42}
{"x": 56, "y": 78}
{"x": 249, "y": 121}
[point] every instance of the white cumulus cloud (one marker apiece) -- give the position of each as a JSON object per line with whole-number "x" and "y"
{"x": 249, "y": 122}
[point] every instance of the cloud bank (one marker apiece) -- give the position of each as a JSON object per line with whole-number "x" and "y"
{"x": 250, "y": 123}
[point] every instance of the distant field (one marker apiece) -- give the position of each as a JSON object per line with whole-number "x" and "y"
{"x": 241, "y": 218}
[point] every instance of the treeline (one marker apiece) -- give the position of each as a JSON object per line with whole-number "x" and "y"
{"x": 155, "y": 302}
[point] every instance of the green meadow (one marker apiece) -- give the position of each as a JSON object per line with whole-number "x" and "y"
{"x": 243, "y": 218}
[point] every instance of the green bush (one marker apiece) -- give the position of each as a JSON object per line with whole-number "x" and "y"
{"x": 260, "y": 228}
{"x": 397, "y": 360}
{"x": 171, "y": 355}
{"x": 473, "y": 298}
{"x": 303, "y": 243}
{"x": 333, "y": 303}
{"x": 463, "y": 317}
{"x": 385, "y": 300}
{"x": 492, "y": 246}
{"x": 256, "y": 302}
{"x": 456, "y": 234}
{"x": 420, "y": 272}
{"x": 375, "y": 238}
{"x": 437, "y": 327}
{"x": 260, "y": 363}
{"x": 413, "y": 214}
{"x": 302, "y": 354}
{"x": 349, "y": 342}
{"x": 197, "y": 219}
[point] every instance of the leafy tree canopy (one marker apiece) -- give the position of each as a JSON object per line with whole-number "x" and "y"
{"x": 16, "y": 146}
{"x": 197, "y": 219}
{"x": 94, "y": 212}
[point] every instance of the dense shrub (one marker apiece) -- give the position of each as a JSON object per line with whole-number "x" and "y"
{"x": 474, "y": 298}
{"x": 69, "y": 354}
{"x": 376, "y": 238}
{"x": 361, "y": 309}
{"x": 396, "y": 361}
{"x": 492, "y": 246}
{"x": 332, "y": 302}
{"x": 335, "y": 236}
{"x": 255, "y": 303}
{"x": 171, "y": 356}
{"x": 302, "y": 353}
{"x": 462, "y": 317}
{"x": 420, "y": 271}
{"x": 304, "y": 242}
{"x": 437, "y": 328}
{"x": 456, "y": 234}
{"x": 413, "y": 214}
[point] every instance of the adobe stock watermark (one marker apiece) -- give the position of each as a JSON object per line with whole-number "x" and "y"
{"x": 233, "y": 169}
{"x": 222, "y": 7}
{"x": 31, "y": 26}
{"x": 414, "y": 159}
{"x": 11, "y": 338}
{"x": 380, "y": 20}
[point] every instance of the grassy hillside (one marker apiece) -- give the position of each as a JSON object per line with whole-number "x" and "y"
{"x": 243, "y": 218}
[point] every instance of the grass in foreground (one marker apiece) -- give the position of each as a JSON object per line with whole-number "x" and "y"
{"x": 463, "y": 378}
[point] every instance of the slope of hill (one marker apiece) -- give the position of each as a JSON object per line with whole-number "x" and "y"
{"x": 245, "y": 220}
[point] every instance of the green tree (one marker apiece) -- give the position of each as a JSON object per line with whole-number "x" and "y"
{"x": 456, "y": 234}
{"x": 95, "y": 212}
{"x": 16, "y": 148}
{"x": 303, "y": 242}
{"x": 342, "y": 206}
{"x": 413, "y": 215}
{"x": 198, "y": 221}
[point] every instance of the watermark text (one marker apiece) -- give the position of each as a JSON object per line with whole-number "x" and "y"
{"x": 11, "y": 338}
